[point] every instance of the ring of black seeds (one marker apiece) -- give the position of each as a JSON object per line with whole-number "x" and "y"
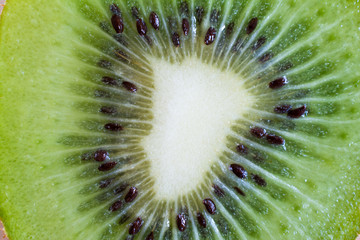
{"x": 102, "y": 156}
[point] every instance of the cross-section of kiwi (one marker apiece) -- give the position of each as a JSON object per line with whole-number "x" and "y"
{"x": 183, "y": 119}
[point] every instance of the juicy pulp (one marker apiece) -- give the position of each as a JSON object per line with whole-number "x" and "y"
{"x": 49, "y": 117}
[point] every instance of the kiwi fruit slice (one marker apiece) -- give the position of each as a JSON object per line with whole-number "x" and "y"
{"x": 183, "y": 119}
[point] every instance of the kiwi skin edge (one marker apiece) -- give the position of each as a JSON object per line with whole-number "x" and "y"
{"x": 2, "y": 230}
{"x": 2, "y": 4}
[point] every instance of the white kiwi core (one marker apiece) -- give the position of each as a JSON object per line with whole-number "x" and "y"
{"x": 194, "y": 106}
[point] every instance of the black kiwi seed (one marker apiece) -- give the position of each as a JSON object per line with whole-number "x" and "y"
{"x": 259, "y": 43}
{"x": 259, "y": 180}
{"x": 210, "y": 206}
{"x": 115, "y": 127}
{"x": 141, "y": 27}
{"x": 258, "y": 132}
{"x": 278, "y": 83}
{"x": 229, "y": 29}
{"x": 107, "y": 166}
{"x": 131, "y": 195}
{"x": 218, "y": 191}
{"x": 108, "y": 110}
{"x": 210, "y": 36}
{"x": 109, "y": 81}
{"x": 241, "y": 148}
{"x": 273, "y": 139}
{"x": 105, "y": 183}
{"x": 241, "y": 192}
{"x": 117, "y": 23}
{"x": 282, "y": 108}
{"x": 181, "y": 222}
{"x": 185, "y": 26}
{"x": 135, "y": 226}
{"x": 251, "y": 25}
{"x": 154, "y": 20}
{"x": 266, "y": 57}
{"x": 129, "y": 86}
{"x": 201, "y": 219}
{"x": 150, "y": 236}
{"x": 199, "y": 14}
{"x": 238, "y": 170}
{"x": 175, "y": 38}
{"x": 115, "y": 9}
{"x": 115, "y": 206}
{"x": 101, "y": 155}
{"x": 297, "y": 112}
{"x": 135, "y": 12}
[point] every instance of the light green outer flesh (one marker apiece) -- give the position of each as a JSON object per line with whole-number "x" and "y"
{"x": 33, "y": 128}
{"x": 28, "y": 129}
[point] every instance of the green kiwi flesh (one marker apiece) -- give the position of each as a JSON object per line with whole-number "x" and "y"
{"x": 180, "y": 119}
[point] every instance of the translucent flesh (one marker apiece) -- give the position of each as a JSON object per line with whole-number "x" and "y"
{"x": 49, "y": 118}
